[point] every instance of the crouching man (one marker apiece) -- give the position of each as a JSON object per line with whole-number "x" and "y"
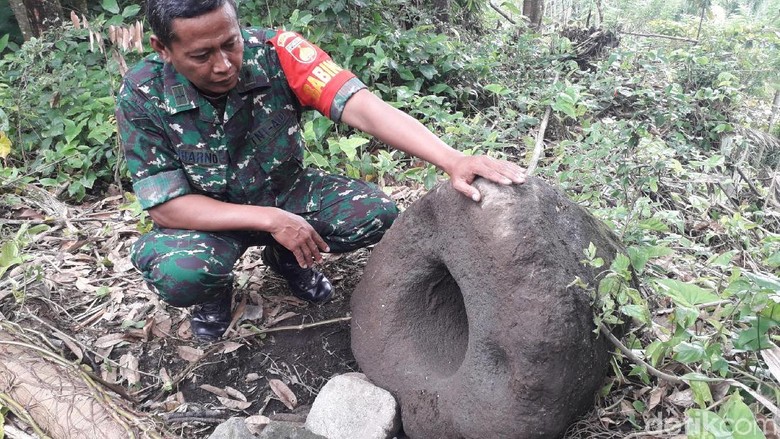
{"x": 210, "y": 127}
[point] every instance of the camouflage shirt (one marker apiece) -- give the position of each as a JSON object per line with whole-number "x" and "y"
{"x": 249, "y": 152}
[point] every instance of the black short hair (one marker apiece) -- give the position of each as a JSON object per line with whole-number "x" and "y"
{"x": 161, "y": 13}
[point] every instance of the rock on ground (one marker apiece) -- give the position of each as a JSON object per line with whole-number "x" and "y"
{"x": 471, "y": 315}
{"x": 349, "y": 407}
{"x": 233, "y": 428}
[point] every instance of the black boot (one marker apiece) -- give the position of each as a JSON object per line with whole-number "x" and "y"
{"x": 306, "y": 283}
{"x": 211, "y": 319}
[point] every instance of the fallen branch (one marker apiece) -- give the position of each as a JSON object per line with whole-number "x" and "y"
{"x": 636, "y": 360}
{"x": 59, "y": 396}
{"x": 501, "y": 13}
{"x": 669, "y": 37}
{"x": 676, "y": 380}
{"x": 300, "y": 327}
{"x": 540, "y": 136}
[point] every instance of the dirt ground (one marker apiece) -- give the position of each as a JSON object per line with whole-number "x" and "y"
{"x": 77, "y": 289}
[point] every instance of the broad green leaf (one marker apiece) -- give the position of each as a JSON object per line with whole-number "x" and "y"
{"x": 350, "y": 145}
{"x": 704, "y": 424}
{"x": 774, "y": 260}
{"x": 4, "y": 42}
{"x": 131, "y": 11}
{"x": 685, "y": 316}
{"x": 654, "y": 224}
{"x": 640, "y": 255}
{"x": 319, "y": 160}
{"x": 639, "y": 312}
{"x": 620, "y": 264}
{"x": 428, "y": 71}
{"x": 723, "y": 259}
{"x": 701, "y": 393}
{"x": 565, "y": 108}
{"x": 5, "y": 145}
{"x": 686, "y": 294}
{"x": 741, "y": 420}
{"x": 9, "y": 256}
{"x": 688, "y": 352}
{"x": 767, "y": 282}
{"x": 755, "y": 337}
{"x": 110, "y": 6}
{"x": 497, "y": 89}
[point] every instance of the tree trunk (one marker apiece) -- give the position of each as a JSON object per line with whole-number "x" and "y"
{"x": 42, "y": 15}
{"x": 600, "y": 12}
{"x": 775, "y": 111}
{"x": 21, "y": 18}
{"x": 534, "y": 10}
{"x": 442, "y": 10}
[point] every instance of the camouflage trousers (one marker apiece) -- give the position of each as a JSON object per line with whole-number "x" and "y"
{"x": 187, "y": 267}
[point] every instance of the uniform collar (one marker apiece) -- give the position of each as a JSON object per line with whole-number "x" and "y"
{"x": 181, "y": 95}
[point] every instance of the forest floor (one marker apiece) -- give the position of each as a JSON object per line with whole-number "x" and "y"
{"x": 75, "y": 293}
{"x": 78, "y": 292}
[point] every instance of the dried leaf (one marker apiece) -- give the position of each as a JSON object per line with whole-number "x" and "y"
{"x": 110, "y": 340}
{"x": 32, "y": 214}
{"x": 184, "y": 330}
{"x": 215, "y": 390}
{"x": 284, "y": 393}
{"x": 101, "y": 45}
{"x": 772, "y": 358}
{"x": 280, "y": 318}
{"x": 230, "y": 346}
{"x": 162, "y": 326}
{"x": 682, "y": 398}
{"x": 252, "y": 312}
{"x": 74, "y": 18}
{"x": 72, "y": 346}
{"x": 235, "y": 394}
{"x": 108, "y": 374}
{"x": 139, "y": 40}
{"x": 82, "y": 284}
{"x": 128, "y": 364}
{"x": 655, "y": 397}
{"x": 769, "y": 427}
{"x": 165, "y": 377}
{"x": 188, "y": 353}
{"x": 233, "y": 404}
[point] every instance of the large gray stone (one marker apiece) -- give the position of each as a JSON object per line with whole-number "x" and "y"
{"x": 469, "y": 315}
{"x": 287, "y": 430}
{"x": 233, "y": 428}
{"x": 349, "y": 407}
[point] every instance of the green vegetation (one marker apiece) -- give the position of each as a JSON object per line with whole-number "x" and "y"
{"x": 664, "y": 140}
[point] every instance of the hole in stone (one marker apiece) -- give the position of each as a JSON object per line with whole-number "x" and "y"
{"x": 441, "y": 327}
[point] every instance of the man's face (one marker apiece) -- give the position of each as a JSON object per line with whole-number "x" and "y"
{"x": 207, "y": 50}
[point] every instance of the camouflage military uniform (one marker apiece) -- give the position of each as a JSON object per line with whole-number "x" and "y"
{"x": 245, "y": 149}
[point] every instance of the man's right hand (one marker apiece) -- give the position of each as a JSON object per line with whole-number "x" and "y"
{"x": 298, "y": 236}
{"x": 199, "y": 212}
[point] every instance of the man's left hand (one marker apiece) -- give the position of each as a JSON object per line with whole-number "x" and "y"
{"x": 468, "y": 168}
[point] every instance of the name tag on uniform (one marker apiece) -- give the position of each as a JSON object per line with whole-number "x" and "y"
{"x": 201, "y": 157}
{"x": 271, "y": 125}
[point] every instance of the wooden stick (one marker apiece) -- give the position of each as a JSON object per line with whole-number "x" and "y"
{"x": 502, "y": 13}
{"x": 636, "y": 360}
{"x": 669, "y": 37}
{"x": 540, "y": 136}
